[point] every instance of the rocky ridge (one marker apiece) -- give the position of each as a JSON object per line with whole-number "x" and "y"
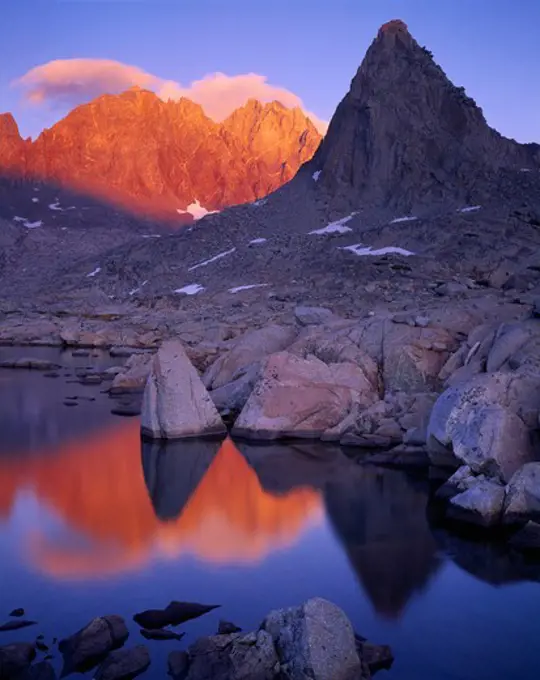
{"x": 163, "y": 157}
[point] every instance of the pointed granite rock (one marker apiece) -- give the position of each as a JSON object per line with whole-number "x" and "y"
{"x": 405, "y": 136}
{"x": 175, "y": 403}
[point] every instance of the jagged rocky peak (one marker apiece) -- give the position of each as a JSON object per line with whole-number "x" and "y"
{"x": 404, "y": 135}
{"x": 12, "y": 146}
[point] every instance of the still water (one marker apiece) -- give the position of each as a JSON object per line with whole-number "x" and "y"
{"x": 92, "y": 523}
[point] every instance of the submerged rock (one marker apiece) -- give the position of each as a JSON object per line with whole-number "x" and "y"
{"x": 88, "y": 647}
{"x": 161, "y": 634}
{"x": 124, "y": 664}
{"x": 15, "y": 625}
{"x": 17, "y": 612}
{"x": 174, "y": 614}
{"x": 176, "y": 403}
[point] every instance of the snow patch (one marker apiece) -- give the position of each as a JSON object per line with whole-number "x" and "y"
{"x": 196, "y": 210}
{"x": 212, "y": 259}
{"x": 191, "y": 289}
{"x": 470, "y": 208}
{"x": 136, "y": 290}
{"x": 56, "y": 206}
{"x": 253, "y": 285}
{"x": 337, "y": 227}
{"x": 36, "y": 188}
{"x": 361, "y": 250}
{"x": 525, "y": 170}
{"x": 92, "y": 274}
{"x": 35, "y": 200}
{"x": 257, "y": 240}
{"x": 316, "y": 175}
{"x": 409, "y": 218}
{"x": 261, "y": 201}
{"x": 151, "y": 235}
{"x": 26, "y": 223}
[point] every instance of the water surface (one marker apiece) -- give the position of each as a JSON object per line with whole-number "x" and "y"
{"x": 94, "y": 522}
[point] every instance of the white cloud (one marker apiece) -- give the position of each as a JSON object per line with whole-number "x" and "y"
{"x": 73, "y": 81}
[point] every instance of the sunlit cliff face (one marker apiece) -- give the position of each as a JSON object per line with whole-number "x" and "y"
{"x": 96, "y": 488}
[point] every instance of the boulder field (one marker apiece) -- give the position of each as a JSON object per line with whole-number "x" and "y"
{"x": 314, "y": 640}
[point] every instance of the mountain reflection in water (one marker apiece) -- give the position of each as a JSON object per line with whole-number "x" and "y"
{"x": 221, "y": 503}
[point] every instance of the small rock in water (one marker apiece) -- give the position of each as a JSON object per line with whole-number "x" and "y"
{"x": 227, "y": 628}
{"x": 161, "y": 634}
{"x": 15, "y": 625}
{"x": 17, "y": 612}
{"x": 42, "y": 646}
{"x": 118, "y": 352}
{"x": 124, "y": 664}
{"x": 174, "y": 614}
{"x": 91, "y": 380}
{"x": 70, "y": 403}
{"x": 126, "y": 410}
{"x": 53, "y": 374}
{"x": 30, "y": 363}
{"x": 376, "y": 657}
{"x": 80, "y": 353}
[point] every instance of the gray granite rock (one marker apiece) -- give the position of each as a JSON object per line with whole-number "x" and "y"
{"x": 176, "y": 403}
{"x": 314, "y": 641}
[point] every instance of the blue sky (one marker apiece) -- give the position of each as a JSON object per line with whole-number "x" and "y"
{"x": 310, "y": 47}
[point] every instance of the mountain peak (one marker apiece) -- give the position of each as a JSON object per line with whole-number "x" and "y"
{"x": 393, "y": 27}
{"x": 404, "y": 135}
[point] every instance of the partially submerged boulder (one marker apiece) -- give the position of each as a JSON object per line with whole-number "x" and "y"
{"x": 316, "y": 641}
{"x": 481, "y": 504}
{"x": 485, "y": 423}
{"x": 89, "y": 646}
{"x": 302, "y": 397}
{"x": 491, "y": 440}
{"x": 176, "y": 403}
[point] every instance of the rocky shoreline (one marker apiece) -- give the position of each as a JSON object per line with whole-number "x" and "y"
{"x": 314, "y": 640}
{"x": 453, "y": 387}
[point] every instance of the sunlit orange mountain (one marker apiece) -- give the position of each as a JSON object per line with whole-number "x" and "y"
{"x": 97, "y": 488}
{"x": 137, "y": 149}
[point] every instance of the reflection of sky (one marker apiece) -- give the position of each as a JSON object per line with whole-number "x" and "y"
{"x": 236, "y": 544}
{"x": 458, "y": 628}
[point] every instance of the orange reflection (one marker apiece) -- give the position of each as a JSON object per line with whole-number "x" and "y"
{"x": 97, "y": 488}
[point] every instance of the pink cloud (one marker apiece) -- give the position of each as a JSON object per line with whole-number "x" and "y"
{"x": 73, "y": 81}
